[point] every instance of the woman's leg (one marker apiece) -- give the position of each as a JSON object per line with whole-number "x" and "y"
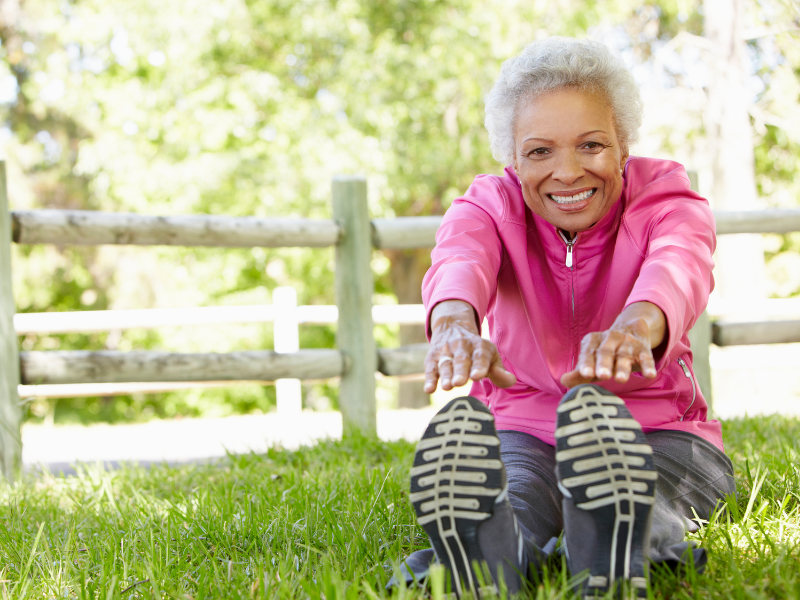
{"x": 693, "y": 477}
{"x": 630, "y": 496}
{"x": 532, "y": 487}
{"x": 607, "y": 475}
{"x": 481, "y": 496}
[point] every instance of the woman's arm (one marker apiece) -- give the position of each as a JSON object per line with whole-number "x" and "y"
{"x": 674, "y": 229}
{"x": 458, "y": 288}
{"x": 625, "y": 347}
{"x": 458, "y": 352}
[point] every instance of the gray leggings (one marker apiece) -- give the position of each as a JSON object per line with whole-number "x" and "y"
{"x": 693, "y": 476}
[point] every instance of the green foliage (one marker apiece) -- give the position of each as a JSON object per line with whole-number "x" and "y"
{"x": 250, "y": 108}
{"x": 333, "y": 521}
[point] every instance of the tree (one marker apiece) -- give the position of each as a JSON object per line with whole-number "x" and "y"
{"x": 740, "y": 259}
{"x": 250, "y": 107}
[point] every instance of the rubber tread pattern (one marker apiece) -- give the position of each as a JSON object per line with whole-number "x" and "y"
{"x": 456, "y": 480}
{"x": 606, "y": 465}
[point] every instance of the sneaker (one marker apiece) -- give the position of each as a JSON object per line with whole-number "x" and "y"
{"x": 606, "y": 473}
{"x": 459, "y": 493}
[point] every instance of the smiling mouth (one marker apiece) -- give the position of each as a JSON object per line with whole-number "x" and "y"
{"x": 572, "y": 199}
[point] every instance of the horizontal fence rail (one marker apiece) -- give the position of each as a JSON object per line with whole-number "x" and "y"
{"x": 773, "y": 220}
{"x": 403, "y": 361}
{"x": 139, "y": 366}
{"x": 109, "y": 366}
{"x": 127, "y": 388}
{"x": 764, "y": 332}
{"x": 87, "y": 227}
{"x": 404, "y": 233}
{"x": 107, "y": 320}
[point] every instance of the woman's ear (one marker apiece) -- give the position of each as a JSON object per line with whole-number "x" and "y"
{"x": 623, "y": 159}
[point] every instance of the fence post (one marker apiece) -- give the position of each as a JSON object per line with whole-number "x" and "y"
{"x": 700, "y": 337}
{"x": 354, "y": 287}
{"x": 10, "y": 410}
{"x": 287, "y": 339}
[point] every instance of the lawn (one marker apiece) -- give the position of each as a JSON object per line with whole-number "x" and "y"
{"x": 324, "y": 522}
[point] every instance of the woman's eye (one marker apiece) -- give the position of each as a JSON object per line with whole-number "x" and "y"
{"x": 539, "y": 151}
{"x": 593, "y": 145}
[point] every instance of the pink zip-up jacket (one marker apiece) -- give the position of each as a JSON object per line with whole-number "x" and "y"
{"x": 655, "y": 244}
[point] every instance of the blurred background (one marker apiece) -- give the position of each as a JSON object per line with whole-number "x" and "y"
{"x": 249, "y": 107}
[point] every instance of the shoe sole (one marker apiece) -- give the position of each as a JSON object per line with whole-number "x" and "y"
{"x": 456, "y": 480}
{"x": 606, "y": 466}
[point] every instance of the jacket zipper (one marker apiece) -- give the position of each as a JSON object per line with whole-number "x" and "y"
{"x": 570, "y": 245}
{"x": 569, "y": 263}
{"x": 688, "y": 374}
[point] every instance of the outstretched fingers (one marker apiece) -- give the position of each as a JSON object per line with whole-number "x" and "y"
{"x": 462, "y": 362}
{"x": 611, "y": 354}
{"x": 647, "y": 363}
{"x": 625, "y": 361}
{"x": 586, "y": 366}
{"x": 498, "y": 374}
{"x": 454, "y": 363}
{"x": 434, "y": 364}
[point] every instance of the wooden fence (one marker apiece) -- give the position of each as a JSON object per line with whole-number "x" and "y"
{"x": 356, "y": 358}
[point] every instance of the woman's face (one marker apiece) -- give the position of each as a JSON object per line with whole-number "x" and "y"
{"x": 568, "y": 158}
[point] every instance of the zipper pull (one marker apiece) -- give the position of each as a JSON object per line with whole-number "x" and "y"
{"x": 685, "y": 368}
{"x": 570, "y": 244}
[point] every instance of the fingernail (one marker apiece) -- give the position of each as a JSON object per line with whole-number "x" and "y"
{"x": 445, "y": 382}
{"x": 586, "y": 371}
{"x": 473, "y": 374}
{"x": 603, "y": 372}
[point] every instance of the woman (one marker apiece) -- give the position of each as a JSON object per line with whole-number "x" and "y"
{"x": 591, "y": 266}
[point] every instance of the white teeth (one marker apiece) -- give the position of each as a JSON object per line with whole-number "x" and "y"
{"x": 571, "y": 199}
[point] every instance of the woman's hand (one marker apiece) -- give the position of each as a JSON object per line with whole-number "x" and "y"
{"x": 458, "y": 353}
{"x": 626, "y": 347}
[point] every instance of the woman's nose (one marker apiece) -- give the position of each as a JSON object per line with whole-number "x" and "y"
{"x": 568, "y": 168}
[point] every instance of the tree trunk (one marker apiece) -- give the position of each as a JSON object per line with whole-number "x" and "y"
{"x": 408, "y": 269}
{"x": 740, "y": 271}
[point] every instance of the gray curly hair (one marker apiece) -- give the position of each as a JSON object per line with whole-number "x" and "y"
{"x": 556, "y": 63}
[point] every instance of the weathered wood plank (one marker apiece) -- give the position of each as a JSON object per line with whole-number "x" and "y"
{"x": 94, "y": 227}
{"x": 86, "y": 227}
{"x": 118, "y": 367}
{"x": 406, "y": 360}
{"x": 94, "y": 390}
{"x": 774, "y": 220}
{"x": 405, "y": 232}
{"x": 10, "y": 409}
{"x": 354, "y": 288}
{"x": 700, "y": 337}
{"x": 105, "y": 320}
{"x": 764, "y": 332}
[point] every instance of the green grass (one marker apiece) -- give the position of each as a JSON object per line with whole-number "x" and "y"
{"x": 322, "y": 522}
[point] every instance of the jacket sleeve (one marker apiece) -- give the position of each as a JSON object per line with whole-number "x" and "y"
{"x": 676, "y": 274}
{"x": 466, "y": 259}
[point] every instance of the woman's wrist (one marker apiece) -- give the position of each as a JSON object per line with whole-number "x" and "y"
{"x": 650, "y": 315}
{"x": 448, "y": 313}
